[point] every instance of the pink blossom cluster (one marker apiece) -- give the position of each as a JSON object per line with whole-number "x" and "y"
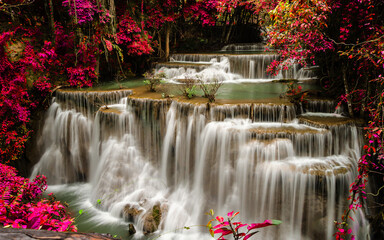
{"x": 16, "y": 101}
{"x": 21, "y": 205}
{"x": 205, "y": 12}
{"x": 296, "y": 32}
{"x": 131, "y": 36}
{"x": 83, "y": 10}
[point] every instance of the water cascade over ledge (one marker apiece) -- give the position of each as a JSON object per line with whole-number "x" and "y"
{"x": 143, "y": 156}
{"x": 234, "y": 63}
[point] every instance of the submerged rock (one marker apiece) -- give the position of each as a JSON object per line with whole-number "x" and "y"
{"x": 131, "y": 229}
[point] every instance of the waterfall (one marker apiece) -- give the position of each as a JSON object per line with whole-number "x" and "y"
{"x": 141, "y": 156}
{"x": 234, "y": 63}
{"x": 227, "y": 67}
{"x": 244, "y": 47}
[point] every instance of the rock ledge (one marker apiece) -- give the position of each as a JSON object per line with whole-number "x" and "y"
{"x": 29, "y": 234}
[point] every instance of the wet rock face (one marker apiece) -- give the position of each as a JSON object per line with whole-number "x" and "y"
{"x": 131, "y": 229}
{"x": 131, "y": 212}
{"x": 151, "y": 219}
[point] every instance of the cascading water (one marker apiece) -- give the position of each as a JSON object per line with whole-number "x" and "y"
{"x": 234, "y": 63}
{"x": 244, "y": 47}
{"x": 178, "y": 159}
{"x": 224, "y": 67}
{"x": 160, "y": 164}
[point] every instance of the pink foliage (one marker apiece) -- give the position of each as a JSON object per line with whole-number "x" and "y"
{"x": 15, "y": 99}
{"x": 83, "y": 10}
{"x": 130, "y": 35}
{"x": 297, "y": 32}
{"x": 21, "y": 205}
{"x": 205, "y": 12}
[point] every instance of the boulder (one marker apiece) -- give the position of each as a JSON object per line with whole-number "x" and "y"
{"x": 152, "y": 219}
{"x": 131, "y": 212}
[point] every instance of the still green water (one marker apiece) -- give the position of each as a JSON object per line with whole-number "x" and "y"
{"x": 231, "y": 91}
{"x": 91, "y": 219}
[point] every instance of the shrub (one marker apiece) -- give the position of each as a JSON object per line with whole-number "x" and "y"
{"x": 21, "y": 205}
{"x": 189, "y": 87}
{"x": 295, "y": 93}
{"x": 210, "y": 89}
{"x": 153, "y": 80}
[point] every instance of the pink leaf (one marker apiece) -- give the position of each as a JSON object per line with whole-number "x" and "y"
{"x": 220, "y": 219}
{"x": 223, "y": 231}
{"x": 223, "y": 224}
{"x": 266, "y": 223}
{"x": 250, "y": 235}
{"x": 231, "y": 214}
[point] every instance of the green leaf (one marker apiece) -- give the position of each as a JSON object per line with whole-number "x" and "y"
{"x": 212, "y": 232}
{"x": 211, "y": 212}
{"x": 98, "y": 201}
{"x": 81, "y": 211}
{"x": 276, "y": 222}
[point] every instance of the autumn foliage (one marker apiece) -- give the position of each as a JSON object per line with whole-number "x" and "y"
{"x": 21, "y": 205}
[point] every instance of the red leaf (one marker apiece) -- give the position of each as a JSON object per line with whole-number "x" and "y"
{"x": 223, "y": 231}
{"x": 232, "y": 215}
{"x": 266, "y": 223}
{"x": 250, "y": 235}
{"x": 223, "y": 224}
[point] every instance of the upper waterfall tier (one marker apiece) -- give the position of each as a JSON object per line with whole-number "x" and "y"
{"x": 229, "y": 67}
{"x": 246, "y": 66}
{"x": 244, "y": 47}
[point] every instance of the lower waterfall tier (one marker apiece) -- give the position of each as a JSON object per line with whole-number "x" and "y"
{"x": 161, "y": 164}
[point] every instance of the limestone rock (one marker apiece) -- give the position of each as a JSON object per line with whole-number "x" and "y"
{"x": 131, "y": 229}
{"x": 131, "y": 212}
{"x": 152, "y": 219}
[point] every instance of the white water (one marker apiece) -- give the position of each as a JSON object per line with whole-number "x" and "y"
{"x": 186, "y": 159}
{"x": 244, "y": 47}
{"x": 233, "y": 66}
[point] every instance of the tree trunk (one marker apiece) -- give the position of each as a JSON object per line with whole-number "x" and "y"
{"x": 160, "y": 48}
{"x": 167, "y": 33}
{"x": 346, "y": 88}
{"x": 229, "y": 33}
{"x": 51, "y": 17}
{"x": 112, "y": 12}
{"x": 97, "y": 70}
